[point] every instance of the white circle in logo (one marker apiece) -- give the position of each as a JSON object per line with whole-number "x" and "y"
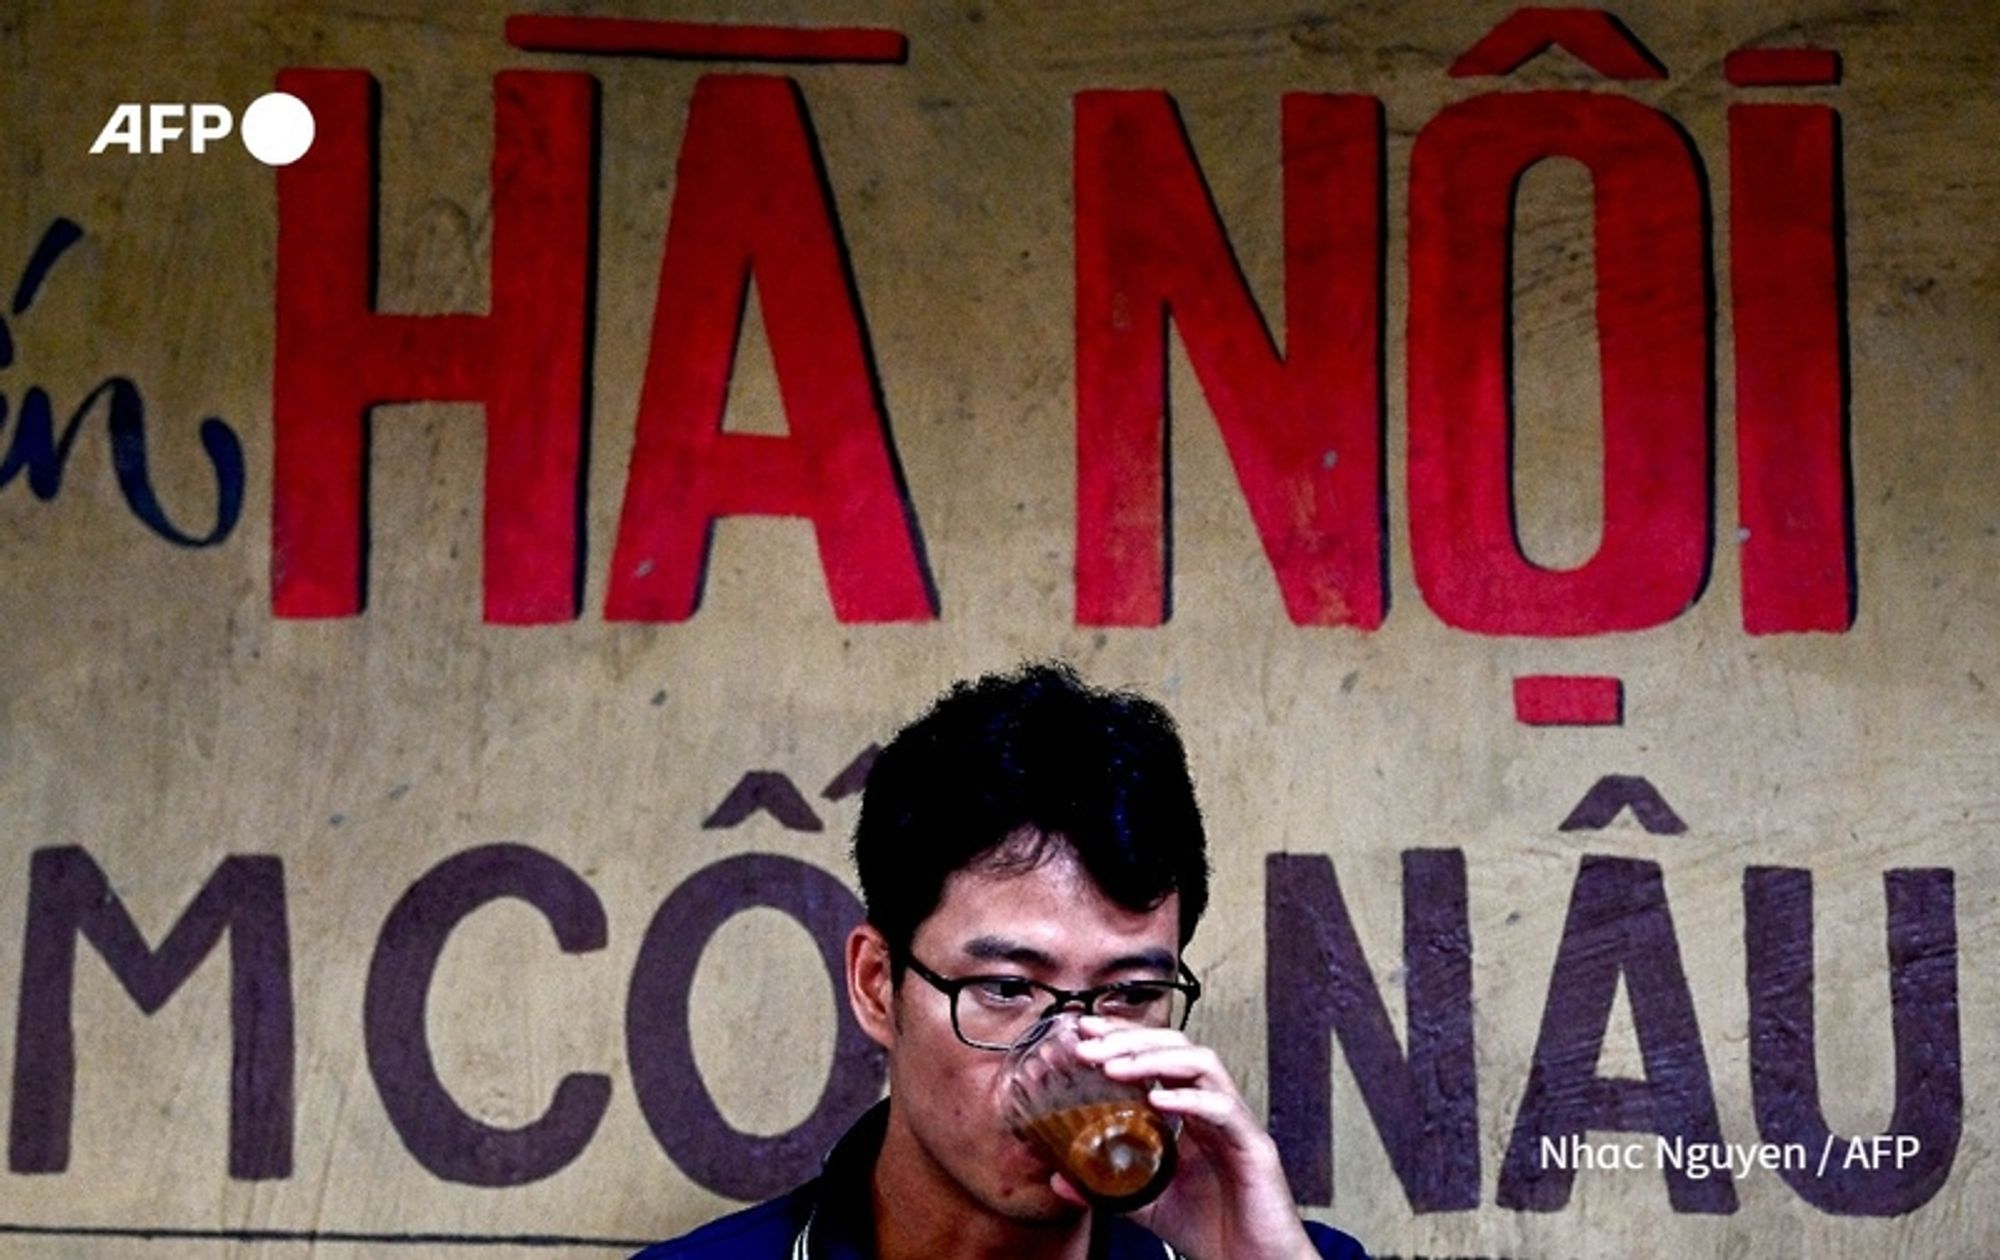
{"x": 277, "y": 128}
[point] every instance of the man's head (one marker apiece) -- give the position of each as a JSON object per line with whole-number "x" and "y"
{"x": 1029, "y": 827}
{"x": 1035, "y": 752}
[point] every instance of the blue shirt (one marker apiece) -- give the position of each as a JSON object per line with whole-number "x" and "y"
{"x": 831, "y": 1218}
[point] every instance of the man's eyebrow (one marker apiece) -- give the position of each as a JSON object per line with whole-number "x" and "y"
{"x": 1000, "y": 949}
{"x": 1145, "y": 960}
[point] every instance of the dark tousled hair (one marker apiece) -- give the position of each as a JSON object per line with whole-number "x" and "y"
{"x": 1033, "y": 749}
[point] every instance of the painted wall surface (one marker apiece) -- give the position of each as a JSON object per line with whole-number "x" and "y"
{"x": 1561, "y": 517}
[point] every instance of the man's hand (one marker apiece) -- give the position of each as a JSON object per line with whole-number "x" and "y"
{"x": 1229, "y": 1200}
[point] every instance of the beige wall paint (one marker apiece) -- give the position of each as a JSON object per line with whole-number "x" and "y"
{"x": 154, "y": 711}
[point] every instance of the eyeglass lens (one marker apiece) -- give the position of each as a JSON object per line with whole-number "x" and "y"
{"x": 999, "y": 1011}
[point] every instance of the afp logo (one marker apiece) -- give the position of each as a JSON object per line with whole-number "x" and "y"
{"x": 277, "y": 128}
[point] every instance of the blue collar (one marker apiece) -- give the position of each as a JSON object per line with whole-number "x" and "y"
{"x": 841, "y": 1217}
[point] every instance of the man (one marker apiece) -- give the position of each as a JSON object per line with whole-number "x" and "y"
{"x": 1029, "y": 845}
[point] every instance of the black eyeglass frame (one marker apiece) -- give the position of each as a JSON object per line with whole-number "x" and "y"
{"x": 1084, "y": 999}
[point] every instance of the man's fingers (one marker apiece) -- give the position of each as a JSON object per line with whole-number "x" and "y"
{"x": 1117, "y": 1039}
{"x": 1097, "y": 1029}
{"x": 1220, "y": 1121}
{"x": 1182, "y": 1064}
{"x": 1219, "y": 1110}
{"x": 1065, "y": 1191}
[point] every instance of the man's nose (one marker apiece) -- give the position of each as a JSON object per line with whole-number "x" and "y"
{"x": 1078, "y": 1002}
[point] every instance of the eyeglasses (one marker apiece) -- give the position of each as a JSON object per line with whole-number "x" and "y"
{"x": 995, "y": 1012}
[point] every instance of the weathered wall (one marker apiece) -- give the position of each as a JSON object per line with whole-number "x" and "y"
{"x": 168, "y": 708}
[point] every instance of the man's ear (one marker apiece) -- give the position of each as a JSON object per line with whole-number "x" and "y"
{"x": 871, "y": 989}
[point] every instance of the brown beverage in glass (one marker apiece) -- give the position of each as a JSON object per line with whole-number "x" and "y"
{"x": 1102, "y": 1134}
